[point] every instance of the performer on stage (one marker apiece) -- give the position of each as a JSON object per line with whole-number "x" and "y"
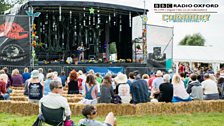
{"x": 81, "y": 50}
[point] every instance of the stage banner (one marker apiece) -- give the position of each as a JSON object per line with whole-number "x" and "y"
{"x": 14, "y": 40}
{"x": 160, "y": 46}
{"x": 104, "y": 70}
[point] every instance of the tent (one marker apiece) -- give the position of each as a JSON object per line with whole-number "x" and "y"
{"x": 202, "y": 54}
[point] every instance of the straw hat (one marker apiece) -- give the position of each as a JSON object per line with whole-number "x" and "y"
{"x": 159, "y": 73}
{"x": 80, "y": 72}
{"x": 34, "y": 74}
{"x": 121, "y": 78}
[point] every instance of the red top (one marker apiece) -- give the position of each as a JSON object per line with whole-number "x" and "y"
{"x": 2, "y": 87}
{"x": 150, "y": 82}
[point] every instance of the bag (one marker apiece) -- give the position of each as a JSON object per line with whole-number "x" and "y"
{"x": 68, "y": 123}
{"x": 88, "y": 93}
{"x": 116, "y": 99}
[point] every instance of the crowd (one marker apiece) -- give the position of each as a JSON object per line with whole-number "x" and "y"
{"x": 157, "y": 87}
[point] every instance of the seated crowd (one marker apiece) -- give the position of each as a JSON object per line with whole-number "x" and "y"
{"x": 134, "y": 89}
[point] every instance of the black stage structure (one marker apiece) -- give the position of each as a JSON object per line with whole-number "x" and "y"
{"x": 63, "y": 25}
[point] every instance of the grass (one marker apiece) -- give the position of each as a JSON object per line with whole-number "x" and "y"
{"x": 197, "y": 119}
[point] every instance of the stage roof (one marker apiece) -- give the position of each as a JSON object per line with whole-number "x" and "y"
{"x": 125, "y": 5}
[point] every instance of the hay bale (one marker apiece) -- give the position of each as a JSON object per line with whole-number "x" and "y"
{"x": 74, "y": 99}
{"x": 17, "y": 88}
{"x": 18, "y": 98}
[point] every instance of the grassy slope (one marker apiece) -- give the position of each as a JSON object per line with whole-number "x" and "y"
{"x": 205, "y": 119}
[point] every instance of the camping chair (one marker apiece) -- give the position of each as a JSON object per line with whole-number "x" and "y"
{"x": 52, "y": 116}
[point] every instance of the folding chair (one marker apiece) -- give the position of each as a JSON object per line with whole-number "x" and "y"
{"x": 52, "y": 116}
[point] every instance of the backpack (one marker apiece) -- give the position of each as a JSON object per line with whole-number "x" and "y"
{"x": 116, "y": 99}
{"x": 222, "y": 91}
{"x": 88, "y": 92}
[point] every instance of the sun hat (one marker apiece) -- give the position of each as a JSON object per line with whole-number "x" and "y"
{"x": 121, "y": 78}
{"x": 80, "y": 72}
{"x": 159, "y": 73}
{"x": 34, "y": 74}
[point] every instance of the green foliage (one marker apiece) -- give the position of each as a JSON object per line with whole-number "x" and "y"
{"x": 113, "y": 48}
{"x": 194, "y": 40}
{"x": 196, "y": 119}
{"x": 4, "y": 6}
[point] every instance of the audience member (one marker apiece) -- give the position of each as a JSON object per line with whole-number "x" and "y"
{"x": 123, "y": 89}
{"x": 41, "y": 75}
{"x": 91, "y": 89}
{"x": 26, "y": 74}
{"x": 73, "y": 87}
{"x": 221, "y": 87}
{"x": 139, "y": 90}
{"x": 49, "y": 78}
{"x": 90, "y": 113}
{"x": 17, "y": 79}
{"x": 179, "y": 91}
{"x": 4, "y": 95}
{"x": 166, "y": 90}
{"x": 54, "y": 100}
{"x": 106, "y": 90}
{"x": 152, "y": 77}
{"x": 35, "y": 87}
{"x": 9, "y": 83}
{"x": 156, "y": 83}
{"x": 56, "y": 77}
{"x": 210, "y": 88}
{"x": 194, "y": 88}
{"x": 63, "y": 78}
{"x": 131, "y": 78}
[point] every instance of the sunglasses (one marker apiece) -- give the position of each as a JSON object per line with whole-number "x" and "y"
{"x": 60, "y": 87}
{"x": 94, "y": 112}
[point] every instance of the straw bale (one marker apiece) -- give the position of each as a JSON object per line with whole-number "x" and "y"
{"x": 76, "y": 108}
{"x": 17, "y": 88}
{"x": 17, "y": 91}
{"x": 16, "y": 94}
{"x": 26, "y": 108}
{"x": 74, "y": 99}
{"x": 18, "y": 98}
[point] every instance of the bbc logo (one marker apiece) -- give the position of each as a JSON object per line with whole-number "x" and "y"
{"x": 163, "y": 5}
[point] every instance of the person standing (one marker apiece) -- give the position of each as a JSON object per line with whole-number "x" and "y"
{"x": 81, "y": 50}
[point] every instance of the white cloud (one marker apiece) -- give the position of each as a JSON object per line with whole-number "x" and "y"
{"x": 212, "y": 30}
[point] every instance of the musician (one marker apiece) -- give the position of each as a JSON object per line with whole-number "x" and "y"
{"x": 81, "y": 50}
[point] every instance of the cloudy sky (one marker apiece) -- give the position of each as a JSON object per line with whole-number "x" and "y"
{"x": 213, "y": 30}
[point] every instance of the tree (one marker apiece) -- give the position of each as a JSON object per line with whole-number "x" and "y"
{"x": 193, "y": 40}
{"x": 4, "y": 6}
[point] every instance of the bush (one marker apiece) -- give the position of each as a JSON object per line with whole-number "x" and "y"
{"x": 113, "y": 48}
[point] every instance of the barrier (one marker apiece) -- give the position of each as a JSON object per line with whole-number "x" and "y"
{"x": 149, "y": 108}
{"x": 67, "y": 69}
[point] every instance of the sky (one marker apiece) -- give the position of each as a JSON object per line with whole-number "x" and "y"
{"x": 212, "y": 31}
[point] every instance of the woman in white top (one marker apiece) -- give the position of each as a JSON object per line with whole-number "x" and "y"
{"x": 179, "y": 91}
{"x": 123, "y": 88}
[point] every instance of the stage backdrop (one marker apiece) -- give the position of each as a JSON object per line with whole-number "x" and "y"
{"x": 14, "y": 40}
{"x": 160, "y": 46}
